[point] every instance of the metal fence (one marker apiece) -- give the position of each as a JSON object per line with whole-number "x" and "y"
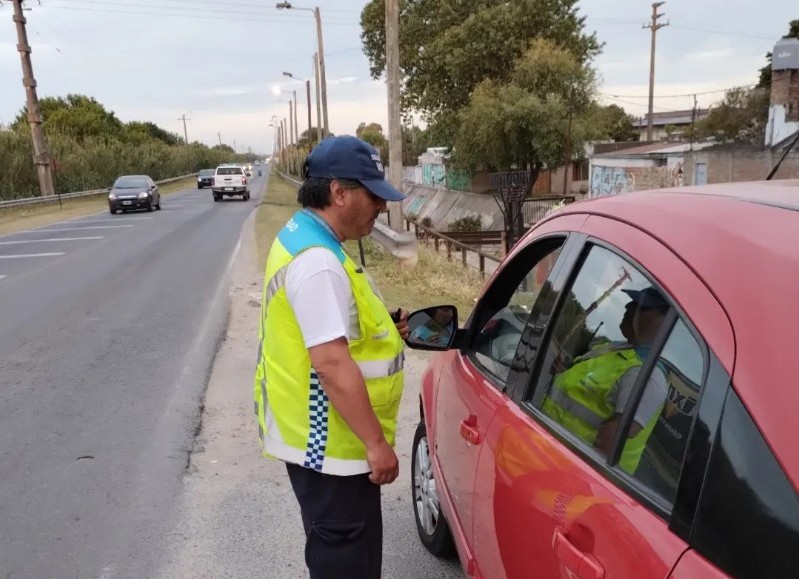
{"x": 58, "y": 197}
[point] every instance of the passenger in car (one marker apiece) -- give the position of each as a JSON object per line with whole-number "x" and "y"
{"x": 589, "y": 397}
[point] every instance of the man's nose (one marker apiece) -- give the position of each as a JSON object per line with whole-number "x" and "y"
{"x": 381, "y": 204}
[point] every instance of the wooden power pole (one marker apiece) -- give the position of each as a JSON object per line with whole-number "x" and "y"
{"x": 394, "y": 111}
{"x": 41, "y": 155}
{"x": 186, "y": 139}
{"x": 654, "y": 26}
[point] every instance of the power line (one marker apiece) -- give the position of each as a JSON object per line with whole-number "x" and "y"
{"x": 670, "y": 96}
{"x": 723, "y": 32}
{"x": 89, "y": 5}
{"x": 662, "y": 109}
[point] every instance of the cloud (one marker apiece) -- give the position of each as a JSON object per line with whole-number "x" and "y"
{"x": 225, "y": 91}
{"x": 344, "y": 80}
{"x": 717, "y": 54}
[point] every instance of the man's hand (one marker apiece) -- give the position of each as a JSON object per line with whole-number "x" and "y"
{"x": 401, "y": 321}
{"x": 383, "y": 463}
{"x": 559, "y": 365}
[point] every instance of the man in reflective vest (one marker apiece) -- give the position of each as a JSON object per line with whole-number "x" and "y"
{"x": 329, "y": 377}
{"x": 589, "y": 397}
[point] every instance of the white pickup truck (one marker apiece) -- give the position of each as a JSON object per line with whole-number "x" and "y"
{"x": 230, "y": 180}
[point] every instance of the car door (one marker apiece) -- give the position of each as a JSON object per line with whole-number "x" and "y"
{"x": 473, "y": 381}
{"x": 548, "y": 502}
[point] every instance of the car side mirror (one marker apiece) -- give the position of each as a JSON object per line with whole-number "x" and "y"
{"x": 434, "y": 328}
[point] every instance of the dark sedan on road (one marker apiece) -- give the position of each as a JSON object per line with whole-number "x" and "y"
{"x": 134, "y": 192}
{"x": 205, "y": 178}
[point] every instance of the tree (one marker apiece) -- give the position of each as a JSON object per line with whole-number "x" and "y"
{"x": 75, "y": 115}
{"x": 523, "y": 124}
{"x": 372, "y": 133}
{"x": 613, "y": 122}
{"x": 137, "y": 131}
{"x": 448, "y": 47}
{"x": 765, "y": 72}
{"x": 740, "y": 118}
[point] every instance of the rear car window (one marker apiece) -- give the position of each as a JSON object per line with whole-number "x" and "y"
{"x": 748, "y": 518}
{"x": 228, "y": 171}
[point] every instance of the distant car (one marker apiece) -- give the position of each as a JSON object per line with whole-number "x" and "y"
{"x": 230, "y": 180}
{"x": 257, "y": 163}
{"x": 205, "y": 178}
{"x": 618, "y": 403}
{"x": 134, "y": 192}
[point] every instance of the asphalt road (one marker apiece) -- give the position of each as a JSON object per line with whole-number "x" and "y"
{"x": 108, "y": 326}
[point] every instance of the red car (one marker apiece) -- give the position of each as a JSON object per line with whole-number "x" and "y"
{"x": 622, "y": 403}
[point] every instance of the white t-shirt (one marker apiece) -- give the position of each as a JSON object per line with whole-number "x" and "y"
{"x": 319, "y": 292}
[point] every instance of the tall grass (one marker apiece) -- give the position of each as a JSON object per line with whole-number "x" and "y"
{"x": 94, "y": 162}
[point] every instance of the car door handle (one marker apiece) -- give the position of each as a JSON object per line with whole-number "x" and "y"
{"x": 582, "y": 564}
{"x": 469, "y": 431}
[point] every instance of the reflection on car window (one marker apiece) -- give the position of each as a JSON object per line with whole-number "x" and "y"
{"x": 682, "y": 362}
{"x": 601, "y": 340}
{"x": 497, "y": 340}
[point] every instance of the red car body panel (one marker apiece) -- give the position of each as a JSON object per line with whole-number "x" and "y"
{"x": 519, "y": 502}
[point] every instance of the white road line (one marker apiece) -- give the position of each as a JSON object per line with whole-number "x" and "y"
{"x": 111, "y": 220}
{"x": 53, "y": 239}
{"x": 74, "y": 228}
{"x": 24, "y": 255}
{"x": 2, "y": 276}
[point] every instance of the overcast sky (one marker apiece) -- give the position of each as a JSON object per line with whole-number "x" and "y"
{"x": 217, "y": 60}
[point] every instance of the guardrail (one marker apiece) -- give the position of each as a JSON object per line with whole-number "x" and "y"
{"x": 450, "y": 243}
{"x": 59, "y": 196}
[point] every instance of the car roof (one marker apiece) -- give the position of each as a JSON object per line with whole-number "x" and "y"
{"x": 742, "y": 239}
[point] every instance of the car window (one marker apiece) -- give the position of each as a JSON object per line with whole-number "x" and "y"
{"x": 747, "y": 523}
{"x": 600, "y": 341}
{"x": 682, "y": 364}
{"x": 506, "y": 306}
{"x": 228, "y": 171}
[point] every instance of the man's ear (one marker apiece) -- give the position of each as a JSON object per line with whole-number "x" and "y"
{"x": 336, "y": 193}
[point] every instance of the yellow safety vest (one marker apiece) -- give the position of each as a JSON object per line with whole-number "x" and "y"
{"x": 296, "y": 421}
{"x": 580, "y": 400}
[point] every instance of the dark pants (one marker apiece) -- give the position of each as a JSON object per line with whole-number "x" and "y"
{"x": 343, "y": 524}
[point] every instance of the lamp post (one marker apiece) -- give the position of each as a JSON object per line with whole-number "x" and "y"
{"x": 308, "y": 95}
{"x": 321, "y": 52}
{"x": 277, "y": 91}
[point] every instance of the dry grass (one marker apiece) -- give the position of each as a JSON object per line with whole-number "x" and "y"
{"x": 28, "y": 217}
{"x": 434, "y": 280}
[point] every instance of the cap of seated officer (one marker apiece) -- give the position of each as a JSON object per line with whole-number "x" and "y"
{"x": 643, "y": 315}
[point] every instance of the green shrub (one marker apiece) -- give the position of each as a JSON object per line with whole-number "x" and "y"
{"x": 467, "y": 223}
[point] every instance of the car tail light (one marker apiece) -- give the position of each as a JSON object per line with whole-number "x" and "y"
{"x": 243, "y": 180}
{"x": 213, "y": 181}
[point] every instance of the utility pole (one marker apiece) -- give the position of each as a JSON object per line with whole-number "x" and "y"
{"x": 296, "y": 124}
{"x": 235, "y": 152}
{"x": 41, "y": 155}
{"x": 320, "y": 44}
{"x": 654, "y": 26}
{"x": 394, "y": 112}
{"x": 291, "y": 122}
{"x": 186, "y": 138}
{"x": 318, "y": 99}
{"x": 693, "y": 124}
{"x": 219, "y": 136}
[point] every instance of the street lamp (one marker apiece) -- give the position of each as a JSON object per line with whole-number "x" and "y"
{"x": 277, "y": 91}
{"x": 308, "y": 94}
{"x": 321, "y": 52}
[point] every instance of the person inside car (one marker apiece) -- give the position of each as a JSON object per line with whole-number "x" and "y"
{"x": 437, "y": 330}
{"x": 590, "y": 395}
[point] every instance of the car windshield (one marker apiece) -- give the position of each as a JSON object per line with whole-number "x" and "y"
{"x": 131, "y": 183}
{"x": 228, "y": 171}
{"x": 206, "y": 172}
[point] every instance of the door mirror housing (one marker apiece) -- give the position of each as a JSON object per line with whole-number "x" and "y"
{"x": 434, "y": 328}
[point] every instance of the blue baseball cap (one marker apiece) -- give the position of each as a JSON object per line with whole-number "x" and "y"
{"x": 647, "y": 298}
{"x": 348, "y": 157}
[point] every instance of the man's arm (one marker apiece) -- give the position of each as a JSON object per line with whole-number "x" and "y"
{"x": 345, "y": 387}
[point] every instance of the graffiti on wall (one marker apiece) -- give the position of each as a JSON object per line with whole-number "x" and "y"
{"x": 611, "y": 181}
{"x": 614, "y": 180}
{"x": 434, "y": 175}
{"x": 458, "y": 180}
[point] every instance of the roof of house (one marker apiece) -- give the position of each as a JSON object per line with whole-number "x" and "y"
{"x": 671, "y": 118}
{"x": 654, "y": 149}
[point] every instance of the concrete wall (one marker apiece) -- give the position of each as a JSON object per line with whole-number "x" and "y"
{"x": 740, "y": 164}
{"x": 443, "y": 206}
{"x": 619, "y": 175}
